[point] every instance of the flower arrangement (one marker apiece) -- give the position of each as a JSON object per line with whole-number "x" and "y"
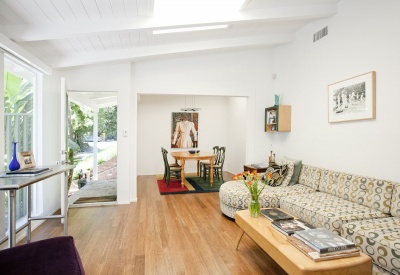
{"x": 252, "y": 181}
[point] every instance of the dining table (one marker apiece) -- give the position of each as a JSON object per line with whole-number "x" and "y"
{"x": 183, "y": 156}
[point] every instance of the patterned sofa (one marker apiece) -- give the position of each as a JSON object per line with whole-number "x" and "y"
{"x": 362, "y": 209}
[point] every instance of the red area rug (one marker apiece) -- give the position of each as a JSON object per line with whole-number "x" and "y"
{"x": 193, "y": 184}
{"x": 174, "y": 187}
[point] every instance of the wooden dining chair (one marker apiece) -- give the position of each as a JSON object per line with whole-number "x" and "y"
{"x": 205, "y": 162}
{"x": 171, "y": 170}
{"x": 218, "y": 167}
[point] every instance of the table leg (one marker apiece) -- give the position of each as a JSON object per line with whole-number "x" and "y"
{"x": 182, "y": 172}
{"x": 12, "y": 220}
{"x": 65, "y": 214}
{"x": 211, "y": 171}
{"x": 238, "y": 238}
{"x": 198, "y": 168}
{"x": 29, "y": 228}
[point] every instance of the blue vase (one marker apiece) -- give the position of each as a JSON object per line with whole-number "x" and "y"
{"x": 14, "y": 164}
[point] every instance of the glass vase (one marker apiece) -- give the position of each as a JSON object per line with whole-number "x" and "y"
{"x": 14, "y": 164}
{"x": 254, "y": 207}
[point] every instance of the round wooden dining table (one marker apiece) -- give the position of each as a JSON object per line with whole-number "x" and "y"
{"x": 183, "y": 156}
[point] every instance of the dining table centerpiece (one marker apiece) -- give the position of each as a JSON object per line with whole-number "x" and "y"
{"x": 255, "y": 183}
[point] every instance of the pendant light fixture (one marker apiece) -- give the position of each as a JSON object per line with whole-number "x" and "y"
{"x": 190, "y": 109}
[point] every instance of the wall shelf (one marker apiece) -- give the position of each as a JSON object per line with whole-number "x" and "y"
{"x": 278, "y": 118}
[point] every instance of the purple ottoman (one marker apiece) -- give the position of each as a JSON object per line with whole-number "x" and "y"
{"x": 51, "y": 256}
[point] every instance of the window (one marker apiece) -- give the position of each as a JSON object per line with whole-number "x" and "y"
{"x": 20, "y": 85}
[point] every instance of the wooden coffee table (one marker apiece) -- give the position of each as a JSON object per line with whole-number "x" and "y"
{"x": 290, "y": 258}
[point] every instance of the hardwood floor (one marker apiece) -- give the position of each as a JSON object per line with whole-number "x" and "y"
{"x": 170, "y": 234}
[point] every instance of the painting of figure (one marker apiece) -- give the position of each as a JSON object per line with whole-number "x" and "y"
{"x": 184, "y": 130}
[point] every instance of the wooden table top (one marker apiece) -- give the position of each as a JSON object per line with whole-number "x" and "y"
{"x": 187, "y": 155}
{"x": 289, "y": 257}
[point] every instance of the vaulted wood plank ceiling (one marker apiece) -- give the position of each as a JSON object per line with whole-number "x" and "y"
{"x": 64, "y": 33}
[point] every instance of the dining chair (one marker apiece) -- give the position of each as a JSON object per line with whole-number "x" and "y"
{"x": 218, "y": 167}
{"x": 204, "y": 162}
{"x": 175, "y": 164}
{"x": 170, "y": 170}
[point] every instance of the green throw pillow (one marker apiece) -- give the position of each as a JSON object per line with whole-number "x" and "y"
{"x": 278, "y": 173}
{"x": 296, "y": 171}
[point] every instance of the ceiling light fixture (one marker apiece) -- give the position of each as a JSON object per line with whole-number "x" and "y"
{"x": 190, "y": 29}
{"x": 191, "y": 109}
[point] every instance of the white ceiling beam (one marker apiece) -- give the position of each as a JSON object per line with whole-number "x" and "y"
{"x": 80, "y": 99}
{"x": 39, "y": 32}
{"x": 12, "y": 48}
{"x": 171, "y": 50}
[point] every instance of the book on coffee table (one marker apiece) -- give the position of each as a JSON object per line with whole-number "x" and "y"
{"x": 316, "y": 256}
{"x": 275, "y": 214}
{"x": 288, "y": 227}
{"x": 323, "y": 240}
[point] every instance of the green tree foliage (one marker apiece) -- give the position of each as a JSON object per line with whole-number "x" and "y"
{"x": 108, "y": 122}
{"x": 17, "y": 94}
{"x": 79, "y": 124}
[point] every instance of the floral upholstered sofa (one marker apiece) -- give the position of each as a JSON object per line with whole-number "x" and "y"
{"x": 362, "y": 209}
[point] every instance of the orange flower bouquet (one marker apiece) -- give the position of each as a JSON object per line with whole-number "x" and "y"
{"x": 252, "y": 180}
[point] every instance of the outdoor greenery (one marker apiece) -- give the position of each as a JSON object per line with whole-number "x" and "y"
{"x": 103, "y": 156}
{"x": 108, "y": 123}
{"x": 18, "y": 99}
{"x": 81, "y": 126}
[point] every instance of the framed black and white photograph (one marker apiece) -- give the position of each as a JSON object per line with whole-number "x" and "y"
{"x": 352, "y": 99}
{"x": 26, "y": 160}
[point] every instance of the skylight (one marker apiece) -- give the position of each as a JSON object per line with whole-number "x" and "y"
{"x": 173, "y": 8}
{"x": 190, "y": 29}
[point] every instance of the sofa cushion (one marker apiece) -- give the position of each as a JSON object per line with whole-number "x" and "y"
{"x": 325, "y": 210}
{"x": 290, "y": 171}
{"x": 235, "y": 196}
{"x": 296, "y": 170}
{"x": 310, "y": 176}
{"x": 370, "y": 192}
{"x": 328, "y": 182}
{"x": 395, "y": 203}
{"x": 278, "y": 173}
{"x": 378, "y": 238}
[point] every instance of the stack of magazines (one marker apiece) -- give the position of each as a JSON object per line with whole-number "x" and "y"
{"x": 275, "y": 214}
{"x": 289, "y": 227}
{"x": 321, "y": 244}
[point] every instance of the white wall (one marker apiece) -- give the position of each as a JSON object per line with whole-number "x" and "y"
{"x": 243, "y": 77}
{"x": 362, "y": 38}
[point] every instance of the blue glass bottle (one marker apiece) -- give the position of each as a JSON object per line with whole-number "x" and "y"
{"x": 14, "y": 164}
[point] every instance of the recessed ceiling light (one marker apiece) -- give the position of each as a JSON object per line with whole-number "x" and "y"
{"x": 190, "y": 29}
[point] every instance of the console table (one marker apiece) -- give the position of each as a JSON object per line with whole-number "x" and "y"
{"x": 12, "y": 184}
{"x": 251, "y": 168}
{"x": 289, "y": 257}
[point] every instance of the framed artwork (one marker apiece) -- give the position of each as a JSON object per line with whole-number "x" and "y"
{"x": 184, "y": 130}
{"x": 26, "y": 159}
{"x": 352, "y": 99}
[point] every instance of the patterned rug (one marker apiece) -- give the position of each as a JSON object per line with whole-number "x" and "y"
{"x": 192, "y": 184}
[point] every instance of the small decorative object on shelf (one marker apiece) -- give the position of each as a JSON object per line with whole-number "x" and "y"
{"x": 277, "y": 100}
{"x": 14, "y": 164}
{"x": 271, "y": 158}
{"x": 251, "y": 180}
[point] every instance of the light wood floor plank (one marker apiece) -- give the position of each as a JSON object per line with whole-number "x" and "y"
{"x": 169, "y": 234}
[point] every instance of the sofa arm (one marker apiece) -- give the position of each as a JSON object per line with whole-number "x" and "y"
{"x": 51, "y": 256}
